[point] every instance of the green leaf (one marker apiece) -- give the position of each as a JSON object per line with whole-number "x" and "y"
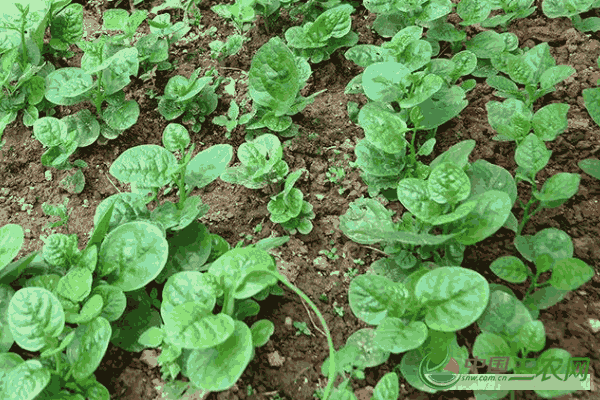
{"x": 458, "y": 296}
{"x": 193, "y": 326}
{"x": 68, "y": 86}
{"x": 559, "y": 187}
{"x": 25, "y": 381}
{"x": 489, "y": 215}
{"x": 152, "y": 337}
{"x": 189, "y": 286}
{"x": 85, "y": 124}
{"x": 448, "y": 183}
{"x": 491, "y": 345}
{"x": 34, "y": 314}
{"x": 51, "y": 132}
{"x": 559, "y": 361}
{"x": 372, "y": 297}
{"x": 532, "y": 336}
{"x": 398, "y": 336}
{"x": 387, "y": 388}
{"x": 369, "y": 354}
{"x": 501, "y": 309}
{"x": 122, "y": 116}
{"x": 122, "y": 65}
{"x": 510, "y": 268}
{"x": 385, "y": 81}
{"x": 473, "y": 11}
{"x": 6, "y": 337}
{"x": 67, "y": 25}
{"x": 550, "y": 121}
{"x": 208, "y": 165}
{"x": 175, "y": 137}
{"x": 384, "y": 129}
{"x": 362, "y": 215}
{"x": 218, "y": 368}
{"x": 512, "y": 118}
{"x": 414, "y": 194}
{"x": 591, "y": 101}
{"x": 570, "y": 273}
{"x": 134, "y": 254}
{"x": 76, "y": 285}
{"x": 88, "y": 347}
{"x": 261, "y": 332}
{"x": 11, "y": 240}
{"x": 239, "y": 264}
{"x": 532, "y": 154}
{"x": 590, "y": 166}
{"x": 146, "y": 165}
{"x": 273, "y": 79}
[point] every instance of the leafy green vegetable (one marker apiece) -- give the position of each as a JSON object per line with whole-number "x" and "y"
{"x": 275, "y": 79}
{"x": 289, "y": 209}
{"x": 261, "y": 163}
{"x": 536, "y": 69}
{"x": 193, "y": 98}
{"x": 319, "y": 39}
{"x": 474, "y": 12}
{"x": 551, "y": 250}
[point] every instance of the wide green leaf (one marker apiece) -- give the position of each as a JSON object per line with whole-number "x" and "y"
{"x": 132, "y": 255}
{"x": 25, "y": 381}
{"x": 33, "y": 315}
{"x": 490, "y": 214}
{"x": 11, "y": 240}
{"x": 147, "y": 165}
{"x": 458, "y": 296}
{"x": 88, "y": 347}
{"x": 383, "y": 128}
{"x": 273, "y": 79}
{"x": 192, "y": 325}
{"x": 208, "y": 165}
{"x": 218, "y": 368}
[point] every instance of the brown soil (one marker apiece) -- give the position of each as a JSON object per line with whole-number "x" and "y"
{"x": 235, "y": 210}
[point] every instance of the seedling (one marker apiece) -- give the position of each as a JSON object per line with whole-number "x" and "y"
{"x": 302, "y": 328}
{"x": 330, "y": 253}
{"x": 323, "y": 298}
{"x": 351, "y": 273}
{"x": 339, "y": 310}
{"x": 335, "y": 174}
{"x": 58, "y": 211}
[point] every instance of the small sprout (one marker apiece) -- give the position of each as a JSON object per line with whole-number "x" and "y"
{"x": 337, "y": 309}
{"x": 302, "y": 328}
{"x": 323, "y": 298}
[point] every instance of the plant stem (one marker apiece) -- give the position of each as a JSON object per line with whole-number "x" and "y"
{"x": 527, "y": 216}
{"x": 332, "y": 363}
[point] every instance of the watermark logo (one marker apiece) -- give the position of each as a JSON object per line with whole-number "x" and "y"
{"x": 442, "y": 372}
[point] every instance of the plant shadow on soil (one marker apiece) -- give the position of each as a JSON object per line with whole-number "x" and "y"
{"x": 235, "y": 210}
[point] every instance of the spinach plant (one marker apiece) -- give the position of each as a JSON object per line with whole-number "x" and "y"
{"x": 488, "y": 193}
{"x": 514, "y": 121}
{"x": 289, "y": 209}
{"x": 402, "y": 96}
{"x": 222, "y": 50}
{"x": 394, "y": 16}
{"x": 536, "y": 69}
{"x": 23, "y": 70}
{"x": 154, "y": 48}
{"x": 150, "y": 167}
{"x": 194, "y": 98}
{"x": 551, "y": 250}
{"x": 70, "y": 86}
{"x": 241, "y": 13}
{"x": 275, "y": 79}
{"x": 477, "y": 12}
{"x": 510, "y": 329}
{"x": 531, "y": 157}
{"x": 571, "y": 9}
{"x": 63, "y": 137}
{"x": 214, "y": 349}
{"x": 319, "y": 39}
{"x": 232, "y": 119}
{"x": 261, "y": 163}
{"x": 418, "y": 313}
